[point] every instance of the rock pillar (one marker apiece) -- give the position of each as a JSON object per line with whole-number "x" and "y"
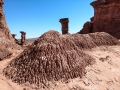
{"x": 23, "y": 38}
{"x": 64, "y": 23}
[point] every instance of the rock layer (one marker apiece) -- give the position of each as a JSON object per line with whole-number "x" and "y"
{"x": 106, "y": 17}
{"x": 54, "y": 57}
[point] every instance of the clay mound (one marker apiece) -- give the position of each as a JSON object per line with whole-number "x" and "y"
{"x": 4, "y": 53}
{"x": 88, "y": 41}
{"x": 83, "y": 41}
{"x": 102, "y": 38}
{"x": 51, "y": 57}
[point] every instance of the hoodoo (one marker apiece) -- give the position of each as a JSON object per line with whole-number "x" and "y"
{"x": 23, "y": 38}
{"x": 64, "y": 22}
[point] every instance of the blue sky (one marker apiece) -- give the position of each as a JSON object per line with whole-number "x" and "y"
{"x": 39, "y": 16}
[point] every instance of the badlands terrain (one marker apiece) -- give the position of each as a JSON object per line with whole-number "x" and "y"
{"x": 87, "y": 60}
{"x": 102, "y": 74}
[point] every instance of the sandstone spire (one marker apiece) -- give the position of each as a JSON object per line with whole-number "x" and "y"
{"x": 23, "y": 38}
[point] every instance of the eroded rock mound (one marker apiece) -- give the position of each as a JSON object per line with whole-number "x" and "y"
{"x": 88, "y": 41}
{"x": 54, "y": 57}
{"x": 102, "y": 38}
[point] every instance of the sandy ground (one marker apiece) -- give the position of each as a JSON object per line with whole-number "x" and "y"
{"x": 103, "y": 75}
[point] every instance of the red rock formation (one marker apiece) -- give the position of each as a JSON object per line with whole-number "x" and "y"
{"x": 87, "y": 27}
{"x": 4, "y": 30}
{"x": 6, "y": 39}
{"x": 64, "y": 23}
{"x": 23, "y": 38}
{"x": 54, "y": 57}
{"x": 106, "y": 17}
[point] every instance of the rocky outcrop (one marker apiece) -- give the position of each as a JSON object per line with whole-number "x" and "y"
{"x": 53, "y": 57}
{"x": 6, "y": 40}
{"x": 87, "y": 27}
{"x": 4, "y": 30}
{"x": 106, "y": 17}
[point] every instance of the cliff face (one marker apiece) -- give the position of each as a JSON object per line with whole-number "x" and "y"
{"x": 106, "y": 17}
{"x": 4, "y": 30}
{"x": 6, "y": 40}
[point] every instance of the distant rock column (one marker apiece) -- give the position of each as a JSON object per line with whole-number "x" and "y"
{"x": 15, "y": 40}
{"x": 13, "y": 35}
{"x": 64, "y": 23}
{"x": 23, "y": 38}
